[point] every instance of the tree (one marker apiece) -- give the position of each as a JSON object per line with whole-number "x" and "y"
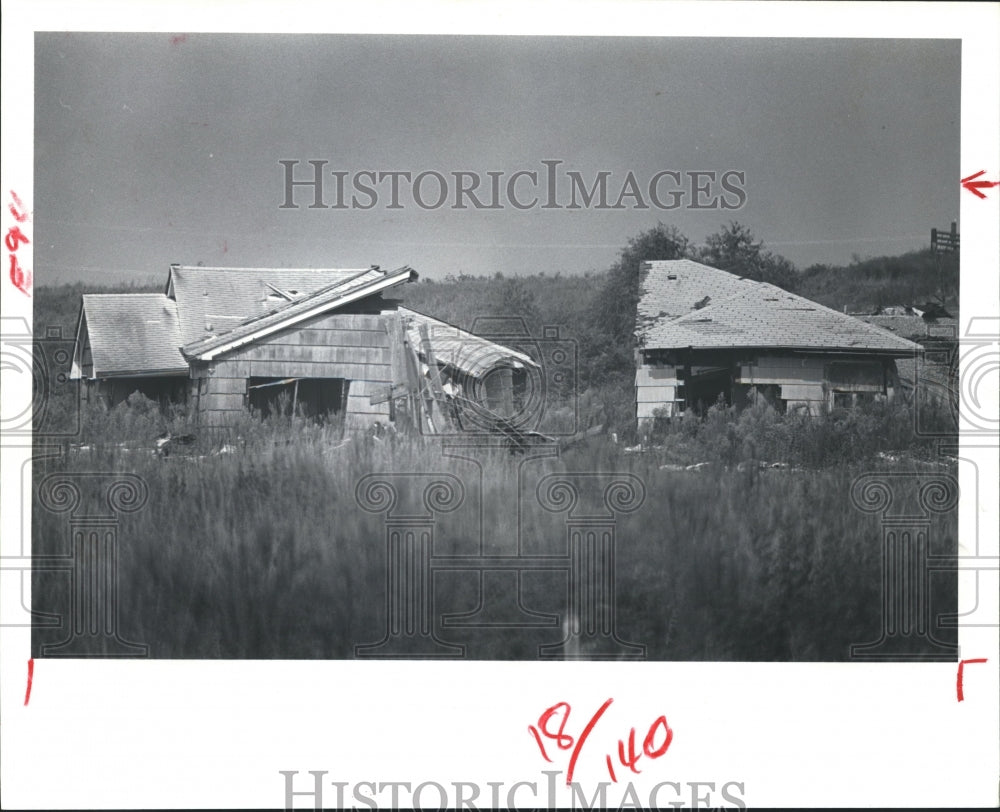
{"x": 512, "y": 296}
{"x": 608, "y": 345}
{"x": 734, "y": 249}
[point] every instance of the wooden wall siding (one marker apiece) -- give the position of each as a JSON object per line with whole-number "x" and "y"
{"x": 656, "y": 388}
{"x": 653, "y": 376}
{"x": 803, "y": 391}
{"x": 807, "y": 383}
{"x": 351, "y": 346}
{"x": 771, "y": 369}
{"x": 360, "y": 412}
{"x": 655, "y": 394}
{"x": 857, "y": 376}
{"x": 87, "y": 358}
{"x": 647, "y": 411}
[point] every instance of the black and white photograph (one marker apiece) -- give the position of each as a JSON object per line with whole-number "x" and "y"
{"x": 610, "y": 356}
{"x": 526, "y": 277}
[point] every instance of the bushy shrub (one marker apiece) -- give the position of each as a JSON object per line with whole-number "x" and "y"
{"x": 728, "y": 436}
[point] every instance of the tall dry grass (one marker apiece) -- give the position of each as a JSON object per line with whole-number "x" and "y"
{"x": 252, "y": 544}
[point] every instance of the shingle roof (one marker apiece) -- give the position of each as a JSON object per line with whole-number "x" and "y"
{"x": 133, "y": 332}
{"x": 465, "y": 351}
{"x": 670, "y": 288}
{"x": 211, "y": 300}
{"x": 914, "y": 327}
{"x": 363, "y": 283}
{"x": 144, "y": 333}
{"x": 744, "y": 313}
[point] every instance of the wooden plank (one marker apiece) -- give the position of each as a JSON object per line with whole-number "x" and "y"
{"x": 227, "y": 386}
{"x": 753, "y": 375}
{"x": 396, "y": 338}
{"x": 346, "y": 321}
{"x": 319, "y": 355}
{"x": 878, "y": 388}
{"x": 357, "y": 404}
{"x": 308, "y": 369}
{"x": 386, "y": 393}
{"x": 437, "y": 402}
{"x": 802, "y": 391}
{"x": 231, "y": 368}
{"x": 222, "y": 403}
{"x": 654, "y": 394}
{"x": 646, "y": 375}
{"x": 327, "y": 338}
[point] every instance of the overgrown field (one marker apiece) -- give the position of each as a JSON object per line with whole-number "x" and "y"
{"x": 253, "y": 544}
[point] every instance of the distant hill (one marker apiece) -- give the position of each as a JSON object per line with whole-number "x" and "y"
{"x": 914, "y": 278}
{"x": 571, "y": 302}
{"x": 58, "y": 306}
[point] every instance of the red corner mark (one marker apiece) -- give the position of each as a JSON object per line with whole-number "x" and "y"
{"x": 31, "y": 676}
{"x": 974, "y": 186}
{"x": 961, "y": 671}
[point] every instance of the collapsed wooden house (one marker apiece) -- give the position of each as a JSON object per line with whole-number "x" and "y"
{"x": 705, "y": 334}
{"x": 315, "y": 343}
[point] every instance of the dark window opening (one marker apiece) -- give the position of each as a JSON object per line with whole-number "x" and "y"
{"x": 702, "y": 392}
{"x": 318, "y": 399}
{"x": 850, "y": 400}
{"x": 165, "y": 392}
{"x": 843, "y": 400}
{"x": 746, "y": 395}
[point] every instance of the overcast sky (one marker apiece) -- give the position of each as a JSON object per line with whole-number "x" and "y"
{"x": 152, "y": 149}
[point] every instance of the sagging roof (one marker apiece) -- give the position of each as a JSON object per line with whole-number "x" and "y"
{"x": 468, "y": 353}
{"x": 213, "y": 300}
{"x": 361, "y": 285}
{"x": 144, "y": 334}
{"x": 684, "y": 304}
{"x": 129, "y": 333}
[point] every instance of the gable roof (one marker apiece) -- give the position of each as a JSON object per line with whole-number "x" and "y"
{"x": 359, "y": 286}
{"x": 466, "y": 352}
{"x": 129, "y": 333}
{"x": 701, "y": 309}
{"x": 212, "y": 300}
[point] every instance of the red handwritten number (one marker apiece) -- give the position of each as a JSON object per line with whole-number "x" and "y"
{"x": 559, "y": 714}
{"x": 19, "y": 214}
{"x": 17, "y": 274}
{"x": 562, "y": 739}
{"x": 632, "y": 757}
{"x": 14, "y": 238}
{"x": 668, "y": 736}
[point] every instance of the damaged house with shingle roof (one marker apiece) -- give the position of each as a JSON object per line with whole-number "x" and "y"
{"x": 703, "y": 334}
{"x": 309, "y": 342}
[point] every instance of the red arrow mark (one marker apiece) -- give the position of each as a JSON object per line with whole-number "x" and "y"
{"x": 974, "y": 185}
{"x": 961, "y": 671}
